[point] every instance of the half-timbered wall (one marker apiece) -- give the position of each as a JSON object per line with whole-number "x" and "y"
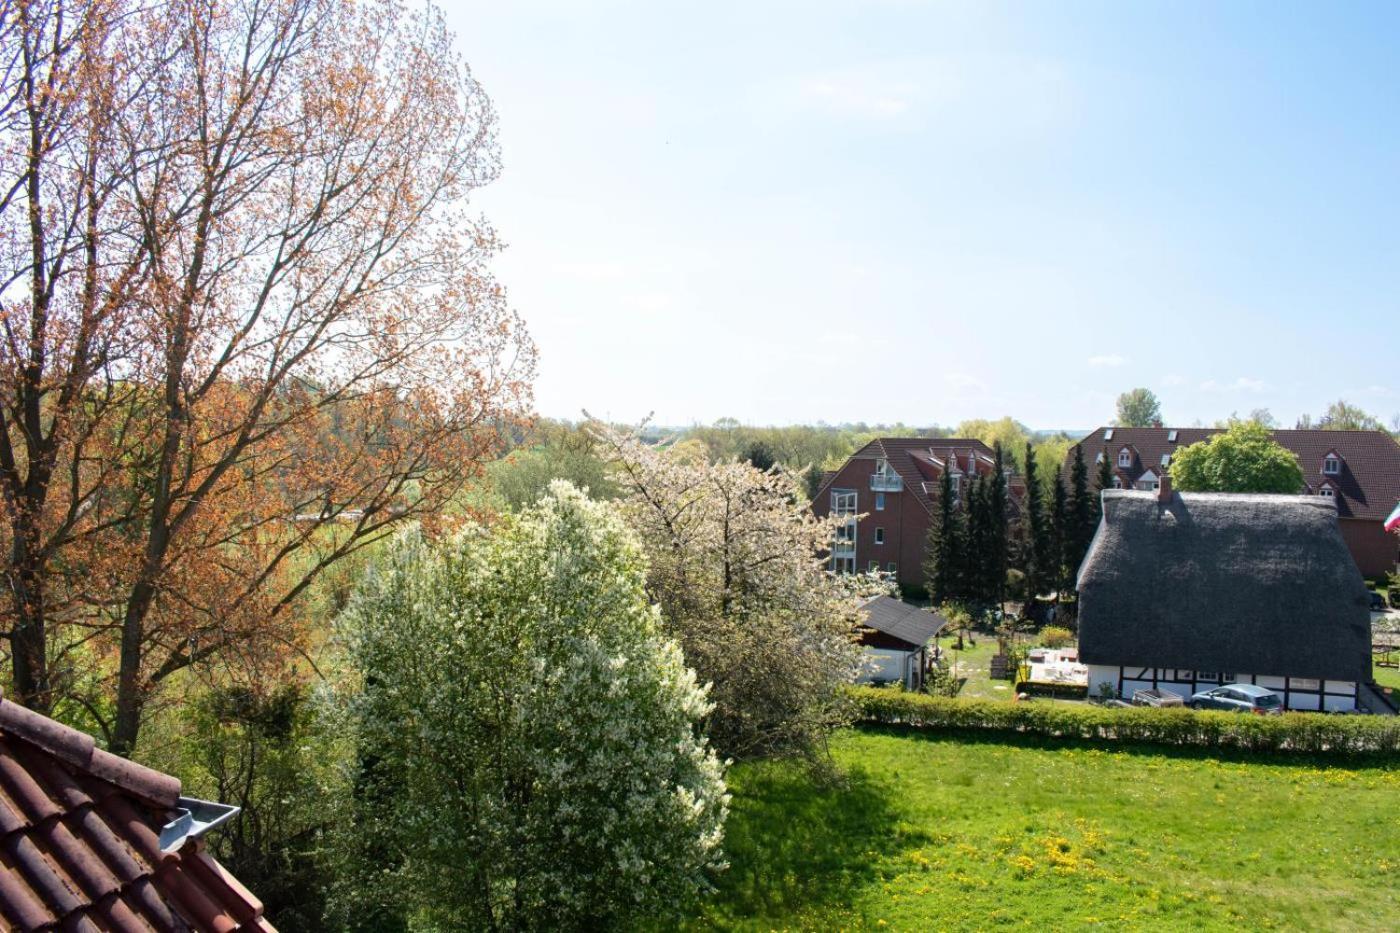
{"x": 1297, "y": 693}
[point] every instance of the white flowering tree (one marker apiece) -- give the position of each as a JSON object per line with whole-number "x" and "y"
{"x": 736, "y": 564}
{"x": 530, "y": 755}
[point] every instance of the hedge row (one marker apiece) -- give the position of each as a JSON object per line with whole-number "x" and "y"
{"x": 1308, "y": 733}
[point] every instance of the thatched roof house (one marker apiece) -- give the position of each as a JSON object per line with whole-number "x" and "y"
{"x": 1223, "y": 587}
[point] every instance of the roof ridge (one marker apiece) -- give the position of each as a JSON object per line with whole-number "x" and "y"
{"x": 79, "y": 751}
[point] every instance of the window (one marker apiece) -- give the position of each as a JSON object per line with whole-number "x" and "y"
{"x": 1156, "y": 485}
{"x": 1332, "y": 465}
{"x": 844, "y": 564}
{"x": 1125, "y": 457}
{"x": 874, "y": 566}
{"x": 843, "y": 502}
{"x": 892, "y": 567}
{"x": 879, "y": 502}
{"x": 1171, "y": 436}
{"x": 1117, "y": 483}
{"x": 1099, "y": 458}
{"x": 879, "y": 536}
{"x": 1108, "y": 435}
{"x": 1166, "y": 459}
{"x": 1326, "y": 491}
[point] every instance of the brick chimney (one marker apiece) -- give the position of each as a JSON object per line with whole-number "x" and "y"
{"x": 1164, "y": 488}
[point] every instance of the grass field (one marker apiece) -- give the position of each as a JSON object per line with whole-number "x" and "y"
{"x": 921, "y": 833}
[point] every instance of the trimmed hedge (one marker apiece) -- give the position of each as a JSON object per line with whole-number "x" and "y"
{"x": 1307, "y": 733}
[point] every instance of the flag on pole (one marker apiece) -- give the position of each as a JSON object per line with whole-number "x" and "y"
{"x": 1393, "y": 522}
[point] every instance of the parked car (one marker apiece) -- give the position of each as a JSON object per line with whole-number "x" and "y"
{"x": 1377, "y": 602}
{"x": 1239, "y": 698}
{"x": 1157, "y": 698}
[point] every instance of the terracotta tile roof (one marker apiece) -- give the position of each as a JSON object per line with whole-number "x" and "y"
{"x": 1367, "y": 487}
{"x": 80, "y": 842}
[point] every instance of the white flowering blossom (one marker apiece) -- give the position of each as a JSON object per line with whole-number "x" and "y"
{"x": 530, "y": 748}
{"x": 736, "y": 564}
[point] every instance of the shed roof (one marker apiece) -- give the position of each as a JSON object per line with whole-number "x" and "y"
{"x": 80, "y": 842}
{"x": 910, "y": 625}
{"x": 1252, "y": 584}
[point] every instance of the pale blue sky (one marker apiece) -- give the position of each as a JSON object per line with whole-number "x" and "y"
{"x": 925, "y": 212}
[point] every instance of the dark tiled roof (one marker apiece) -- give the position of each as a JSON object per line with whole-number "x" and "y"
{"x": 907, "y": 624}
{"x": 1249, "y": 584}
{"x": 918, "y": 461}
{"x": 1367, "y": 487}
{"x": 80, "y": 842}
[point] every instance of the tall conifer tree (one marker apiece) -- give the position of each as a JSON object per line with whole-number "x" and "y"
{"x": 997, "y": 537}
{"x": 940, "y": 550}
{"x": 1057, "y": 550}
{"x": 1034, "y": 554}
{"x": 1080, "y": 517}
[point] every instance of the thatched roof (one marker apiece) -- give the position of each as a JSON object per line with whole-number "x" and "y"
{"x": 1245, "y": 584}
{"x": 903, "y": 626}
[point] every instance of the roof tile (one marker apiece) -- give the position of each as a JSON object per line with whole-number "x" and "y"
{"x": 80, "y": 847}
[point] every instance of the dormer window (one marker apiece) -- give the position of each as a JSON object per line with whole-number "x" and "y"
{"x": 1332, "y": 464}
{"x": 1327, "y": 492}
{"x": 1125, "y": 457}
{"x": 1117, "y": 483}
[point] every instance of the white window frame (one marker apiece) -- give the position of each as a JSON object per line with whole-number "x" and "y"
{"x": 1125, "y": 457}
{"x": 1326, "y": 491}
{"x": 1117, "y": 483}
{"x": 1331, "y": 465}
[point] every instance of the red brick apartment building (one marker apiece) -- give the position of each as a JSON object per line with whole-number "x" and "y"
{"x": 894, "y": 483}
{"x": 1358, "y": 470}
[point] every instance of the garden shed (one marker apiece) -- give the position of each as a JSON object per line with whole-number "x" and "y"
{"x": 895, "y": 636}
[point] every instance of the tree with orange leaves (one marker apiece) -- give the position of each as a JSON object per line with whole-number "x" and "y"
{"x": 308, "y": 349}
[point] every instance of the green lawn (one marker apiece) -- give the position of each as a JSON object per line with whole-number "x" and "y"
{"x": 924, "y": 833}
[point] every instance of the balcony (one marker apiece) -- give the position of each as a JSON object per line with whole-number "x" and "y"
{"x": 843, "y": 548}
{"x": 886, "y": 482}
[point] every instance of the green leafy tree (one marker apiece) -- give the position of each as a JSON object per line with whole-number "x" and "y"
{"x": 759, "y": 455}
{"x": 1010, "y": 433}
{"x": 1341, "y": 415}
{"x": 275, "y": 752}
{"x": 1138, "y": 408}
{"x": 1242, "y": 458}
{"x": 531, "y": 748}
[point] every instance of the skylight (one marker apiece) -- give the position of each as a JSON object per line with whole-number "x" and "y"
{"x": 1108, "y": 435}
{"x": 1171, "y": 436}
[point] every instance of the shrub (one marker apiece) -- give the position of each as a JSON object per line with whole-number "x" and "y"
{"x": 1310, "y": 733}
{"x": 1055, "y": 636}
{"x": 530, "y": 754}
